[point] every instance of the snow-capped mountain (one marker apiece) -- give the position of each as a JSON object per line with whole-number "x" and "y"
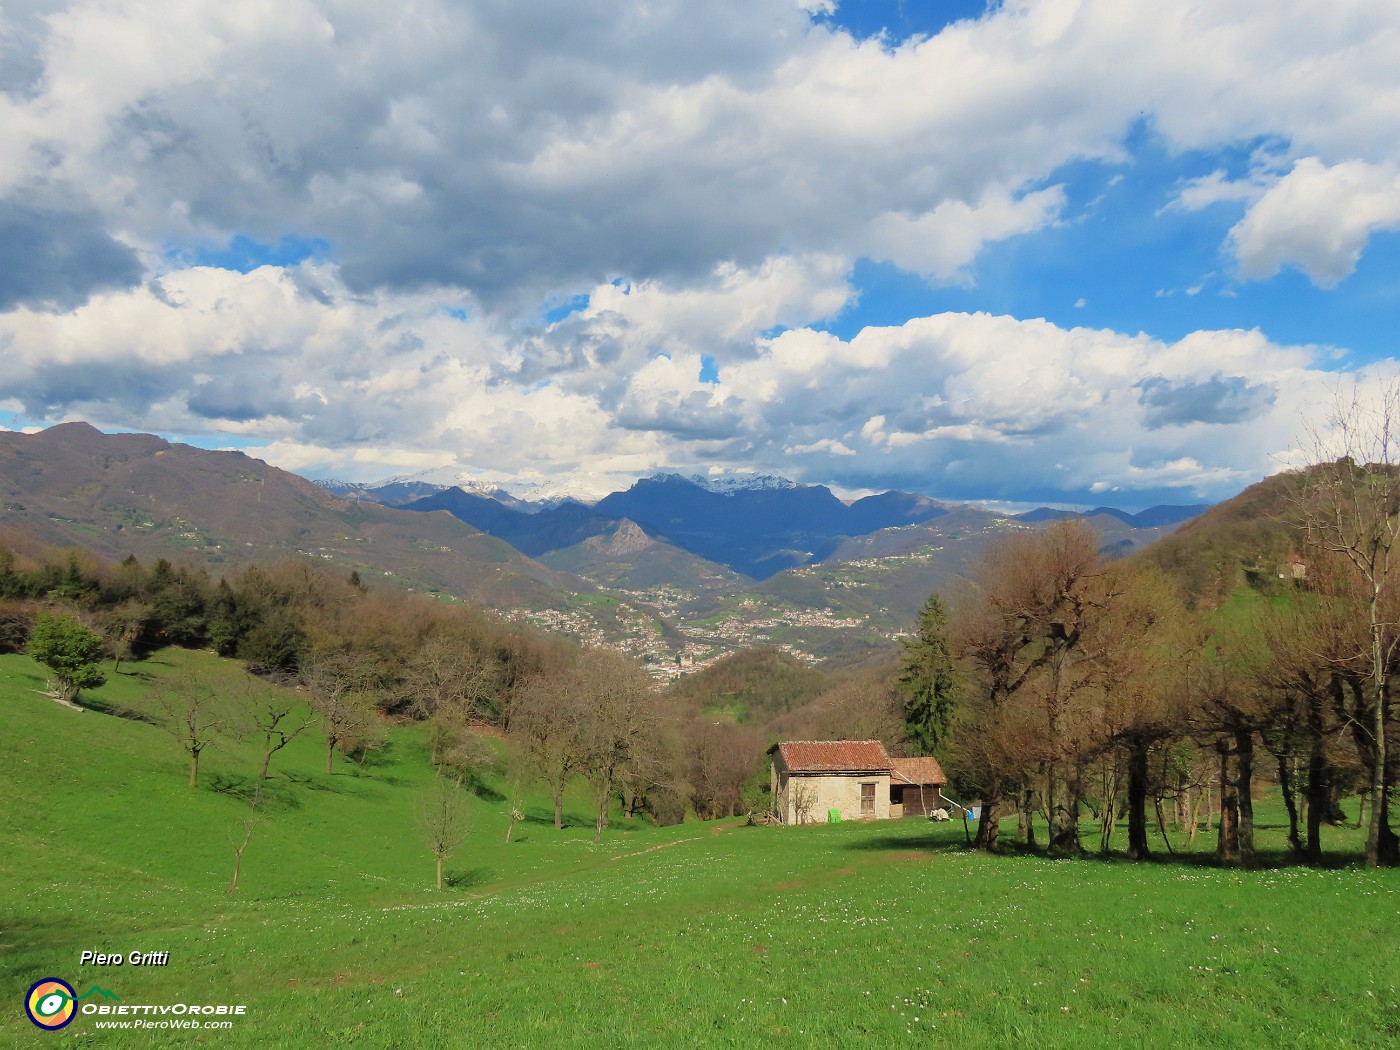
{"x": 521, "y": 492}
{"x": 727, "y": 481}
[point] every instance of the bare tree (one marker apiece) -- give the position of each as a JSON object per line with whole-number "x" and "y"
{"x": 278, "y": 715}
{"x": 1020, "y": 628}
{"x": 442, "y": 820}
{"x": 450, "y": 680}
{"x": 547, "y": 716}
{"x": 620, "y": 726}
{"x": 462, "y": 753}
{"x": 722, "y": 757}
{"x": 1347, "y": 504}
{"x": 122, "y": 627}
{"x": 194, "y": 714}
{"x": 251, "y": 820}
{"x": 1139, "y": 700}
{"x": 804, "y": 800}
{"x": 1227, "y": 712}
{"x": 340, "y": 689}
{"x": 517, "y": 810}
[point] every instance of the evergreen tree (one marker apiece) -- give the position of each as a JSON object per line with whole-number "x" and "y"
{"x": 929, "y": 682}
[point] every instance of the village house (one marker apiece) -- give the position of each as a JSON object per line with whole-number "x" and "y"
{"x": 814, "y": 781}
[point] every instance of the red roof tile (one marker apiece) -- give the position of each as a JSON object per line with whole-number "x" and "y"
{"x": 917, "y": 771}
{"x": 835, "y": 756}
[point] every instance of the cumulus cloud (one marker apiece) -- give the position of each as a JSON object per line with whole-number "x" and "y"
{"x": 1318, "y": 218}
{"x": 701, "y": 180}
{"x": 518, "y": 152}
{"x": 956, "y": 405}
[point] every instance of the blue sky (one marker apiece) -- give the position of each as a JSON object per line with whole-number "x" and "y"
{"x": 1069, "y": 251}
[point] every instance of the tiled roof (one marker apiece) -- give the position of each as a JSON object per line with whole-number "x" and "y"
{"x": 917, "y": 771}
{"x": 835, "y": 756}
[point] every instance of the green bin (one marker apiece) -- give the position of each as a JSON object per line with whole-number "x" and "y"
{"x": 833, "y": 816}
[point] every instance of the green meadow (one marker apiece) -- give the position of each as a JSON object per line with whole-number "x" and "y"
{"x": 701, "y": 935}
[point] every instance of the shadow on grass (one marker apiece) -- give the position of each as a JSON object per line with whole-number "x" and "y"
{"x": 544, "y": 817}
{"x": 270, "y": 793}
{"x": 466, "y": 878}
{"x": 315, "y": 783}
{"x": 483, "y": 790}
{"x": 375, "y": 758}
{"x": 1011, "y": 847}
{"x": 104, "y": 707}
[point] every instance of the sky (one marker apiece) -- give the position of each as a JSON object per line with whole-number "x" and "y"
{"x": 1076, "y": 252}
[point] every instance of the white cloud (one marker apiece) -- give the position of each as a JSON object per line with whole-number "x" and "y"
{"x": 1318, "y": 218}
{"x": 965, "y": 405}
{"x": 487, "y": 147}
{"x": 708, "y": 175}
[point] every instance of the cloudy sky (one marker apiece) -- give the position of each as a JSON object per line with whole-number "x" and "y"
{"x": 1073, "y": 251}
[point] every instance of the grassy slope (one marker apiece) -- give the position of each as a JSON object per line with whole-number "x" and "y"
{"x": 702, "y": 935}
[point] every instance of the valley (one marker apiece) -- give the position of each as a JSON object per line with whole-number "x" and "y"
{"x": 677, "y": 572}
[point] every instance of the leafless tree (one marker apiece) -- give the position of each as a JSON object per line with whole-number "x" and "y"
{"x": 340, "y": 689}
{"x": 547, "y": 717}
{"x": 442, "y": 820}
{"x": 804, "y": 800}
{"x": 1020, "y": 629}
{"x": 194, "y": 714}
{"x": 122, "y": 626}
{"x": 251, "y": 820}
{"x": 277, "y": 714}
{"x": 449, "y": 680}
{"x": 622, "y": 721}
{"x": 1348, "y": 504}
{"x": 722, "y": 756}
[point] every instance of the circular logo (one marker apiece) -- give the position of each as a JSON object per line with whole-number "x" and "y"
{"x": 49, "y": 1003}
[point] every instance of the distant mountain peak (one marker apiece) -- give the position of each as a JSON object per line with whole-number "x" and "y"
{"x": 628, "y": 539}
{"x": 728, "y": 481}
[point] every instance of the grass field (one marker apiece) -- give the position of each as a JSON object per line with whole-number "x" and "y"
{"x": 714, "y": 934}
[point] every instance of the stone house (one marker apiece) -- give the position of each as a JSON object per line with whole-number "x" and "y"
{"x": 857, "y": 779}
{"x": 811, "y": 779}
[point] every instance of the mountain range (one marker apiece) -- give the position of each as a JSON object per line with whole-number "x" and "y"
{"x": 756, "y": 525}
{"x": 674, "y": 569}
{"x": 120, "y": 494}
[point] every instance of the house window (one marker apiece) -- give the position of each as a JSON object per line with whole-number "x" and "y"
{"x": 867, "y": 800}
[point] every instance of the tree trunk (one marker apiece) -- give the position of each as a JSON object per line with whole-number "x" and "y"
{"x": 556, "y": 791}
{"x": 330, "y": 753}
{"x": 603, "y": 797}
{"x": 1027, "y": 818}
{"x": 1108, "y": 824}
{"x": 1137, "y": 801}
{"x": 194, "y": 766}
{"x": 237, "y": 862}
{"x": 988, "y": 830}
{"x": 1376, "y": 848}
{"x": 1388, "y": 845}
{"x": 1290, "y": 801}
{"x": 267, "y": 758}
{"x": 1244, "y": 766}
{"x": 1227, "y": 847}
{"x": 1319, "y": 794}
{"x": 439, "y": 871}
{"x": 1064, "y": 811}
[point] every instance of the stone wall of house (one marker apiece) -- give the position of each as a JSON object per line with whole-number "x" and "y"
{"x": 807, "y": 799}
